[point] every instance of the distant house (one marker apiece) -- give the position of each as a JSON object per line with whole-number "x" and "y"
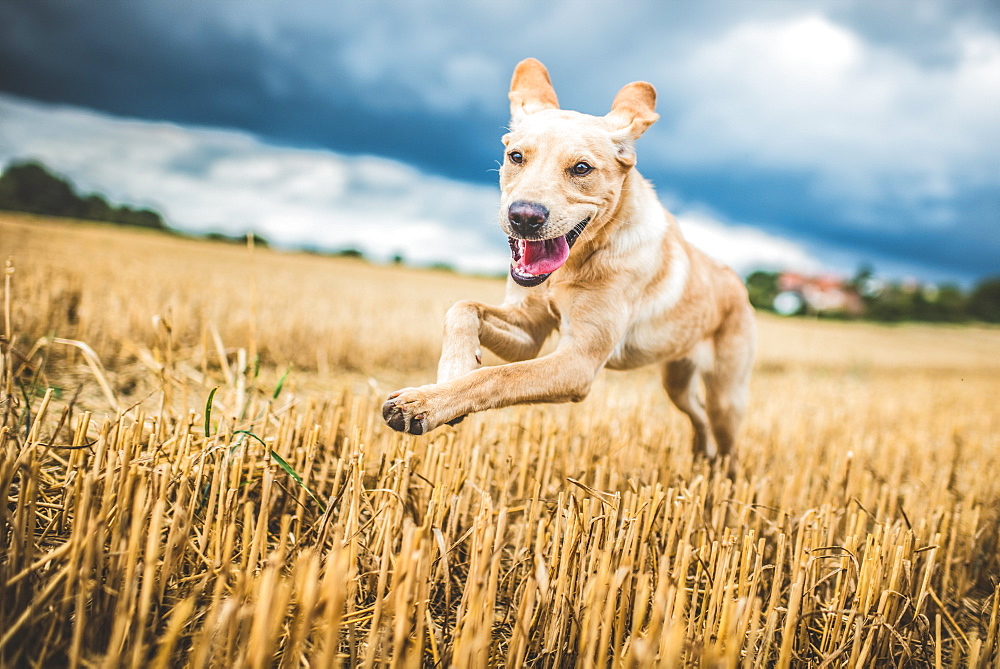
{"x": 816, "y": 295}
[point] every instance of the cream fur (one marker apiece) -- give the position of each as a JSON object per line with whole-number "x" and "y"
{"x": 632, "y": 293}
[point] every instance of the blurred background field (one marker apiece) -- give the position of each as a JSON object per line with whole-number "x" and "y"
{"x": 196, "y": 472}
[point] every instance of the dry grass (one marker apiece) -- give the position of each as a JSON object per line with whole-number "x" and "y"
{"x": 287, "y": 526}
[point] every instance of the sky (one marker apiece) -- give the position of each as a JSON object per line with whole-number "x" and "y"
{"x": 810, "y": 135}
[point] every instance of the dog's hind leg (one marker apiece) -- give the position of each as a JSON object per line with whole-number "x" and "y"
{"x": 681, "y": 381}
{"x": 727, "y": 383}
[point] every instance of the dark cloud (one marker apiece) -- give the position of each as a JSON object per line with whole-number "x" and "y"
{"x": 425, "y": 83}
{"x": 924, "y": 30}
{"x": 157, "y": 61}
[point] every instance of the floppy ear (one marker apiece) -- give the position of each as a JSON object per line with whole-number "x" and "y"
{"x": 531, "y": 89}
{"x": 632, "y": 112}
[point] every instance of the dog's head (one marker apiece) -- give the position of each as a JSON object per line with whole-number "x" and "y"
{"x": 563, "y": 171}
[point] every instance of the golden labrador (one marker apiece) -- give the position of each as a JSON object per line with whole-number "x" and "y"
{"x": 595, "y": 256}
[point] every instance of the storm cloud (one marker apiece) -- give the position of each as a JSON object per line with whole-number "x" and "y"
{"x": 857, "y": 131}
{"x": 210, "y": 180}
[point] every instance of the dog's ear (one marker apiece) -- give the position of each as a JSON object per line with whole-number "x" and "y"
{"x": 632, "y": 112}
{"x": 531, "y": 89}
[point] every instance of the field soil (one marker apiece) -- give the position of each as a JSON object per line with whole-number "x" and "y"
{"x": 196, "y": 473}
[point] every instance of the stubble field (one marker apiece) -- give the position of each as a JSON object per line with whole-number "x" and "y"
{"x": 197, "y": 474}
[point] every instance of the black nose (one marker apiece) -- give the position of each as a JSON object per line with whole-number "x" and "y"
{"x": 527, "y": 218}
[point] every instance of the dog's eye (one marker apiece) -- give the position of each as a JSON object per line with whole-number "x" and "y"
{"x": 582, "y": 168}
{"x": 515, "y": 157}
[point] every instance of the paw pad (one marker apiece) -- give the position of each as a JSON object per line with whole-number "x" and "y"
{"x": 396, "y": 418}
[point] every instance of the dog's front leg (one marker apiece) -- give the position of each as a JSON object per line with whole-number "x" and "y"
{"x": 512, "y": 331}
{"x": 592, "y": 327}
{"x": 562, "y": 376}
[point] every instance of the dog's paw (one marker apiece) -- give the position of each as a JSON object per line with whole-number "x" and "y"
{"x": 407, "y": 411}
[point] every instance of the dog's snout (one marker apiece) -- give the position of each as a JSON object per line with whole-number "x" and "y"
{"x": 527, "y": 218}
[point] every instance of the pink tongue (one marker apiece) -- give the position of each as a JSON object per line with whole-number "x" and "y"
{"x": 542, "y": 257}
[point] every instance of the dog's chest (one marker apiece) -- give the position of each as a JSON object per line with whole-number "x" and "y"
{"x": 657, "y": 329}
{"x": 646, "y": 342}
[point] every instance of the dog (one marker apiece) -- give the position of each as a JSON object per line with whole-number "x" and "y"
{"x": 596, "y": 257}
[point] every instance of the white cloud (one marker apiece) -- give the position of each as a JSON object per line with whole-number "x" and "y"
{"x": 870, "y": 124}
{"x": 807, "y": 94}
{"x": 741, "y": 247}
{"x": 213, "y": 180}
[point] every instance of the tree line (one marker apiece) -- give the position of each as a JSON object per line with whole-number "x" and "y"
{"x": 886, "y": 301}
{"x": 30, "y": 187}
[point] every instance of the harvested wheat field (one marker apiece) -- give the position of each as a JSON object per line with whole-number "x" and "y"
{"x": 197, "y": 474}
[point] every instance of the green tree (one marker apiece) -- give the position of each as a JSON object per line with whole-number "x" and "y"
{"x": 951, "y": 304}
{"x": 96, "y": 208}
{"x": 30, "y": 187}
{"x": 762, "y": 287}
{"x": 984, "y": 302}
{"x": 140, "y": 218}
{"x": 891, "y": 305}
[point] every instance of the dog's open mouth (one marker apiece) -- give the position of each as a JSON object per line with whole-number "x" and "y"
{"x": 533, "y": 261}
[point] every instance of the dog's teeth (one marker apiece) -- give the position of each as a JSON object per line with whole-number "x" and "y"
{"x": 515, "y": 248}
